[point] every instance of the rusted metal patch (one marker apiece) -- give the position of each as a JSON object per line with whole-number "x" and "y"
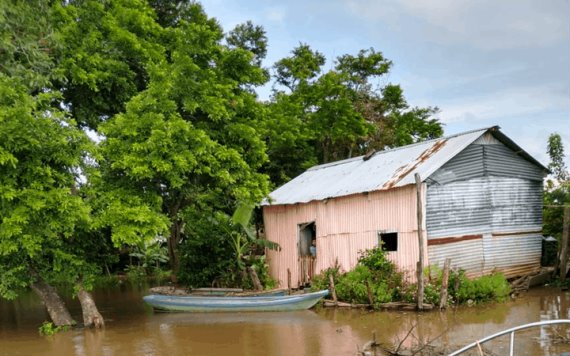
{"x": 403, "y": 171}
{"x": 449, "y": 240}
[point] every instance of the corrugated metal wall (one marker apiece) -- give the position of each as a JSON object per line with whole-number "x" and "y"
{"x": 344, "y": 226}
{"x": 514, "y": 255}
{"x": 516, "y": 204}
{"x": 458, "y": 208}
{"x": 489, "y": 190}
{"x": 486, "y": 204}
{"x": 464, "y": 254}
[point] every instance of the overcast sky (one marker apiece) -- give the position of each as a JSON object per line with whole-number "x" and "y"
{"x": 483, "y": 63}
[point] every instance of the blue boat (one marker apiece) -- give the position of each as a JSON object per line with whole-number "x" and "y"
{"x": 234, "y": 304}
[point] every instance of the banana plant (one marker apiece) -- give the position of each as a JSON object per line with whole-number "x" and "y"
{"x": 241, "y": 218}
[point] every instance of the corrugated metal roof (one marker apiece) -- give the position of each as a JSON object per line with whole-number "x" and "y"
{"x": 384, "y": 170}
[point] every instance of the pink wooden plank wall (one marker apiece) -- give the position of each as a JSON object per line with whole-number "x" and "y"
{"x": 345, "y": 226}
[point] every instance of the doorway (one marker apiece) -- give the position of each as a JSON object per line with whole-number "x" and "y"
{"x": 307, "y": 252}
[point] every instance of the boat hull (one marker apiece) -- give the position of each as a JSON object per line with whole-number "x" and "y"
{"x": 234, "y": 304}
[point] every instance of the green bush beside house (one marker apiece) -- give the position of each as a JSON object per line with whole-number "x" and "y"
{"x": 388, "y": 285}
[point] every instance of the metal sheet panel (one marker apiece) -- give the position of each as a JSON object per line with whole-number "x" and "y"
{"x": 458, "y": 208}
{"x": 502, "y": 161}
{"x": 483, "y": 205}
{"x": 486, "y": 157}
{"x": 466, "y": 165}
{"x": 467, "y": 255}
{"x": 516, "y": 204}
{"x": 503, "y": 253}
{"x": 507, "y": 254}
{"x": 513, "y": 255}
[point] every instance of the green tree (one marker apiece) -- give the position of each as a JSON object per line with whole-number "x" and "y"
{"x": 557, "y": 189}
{"x": 95, "y": 54}
{"x": 40, "y": 153}
{"x": 555, "y": 150}
{"x": 251, "y": 38}
{"x": 26, "y": 42}
{"x": 104, "y": 54}
{"x": 188, "y": 140}
{"x": 318, "y": 117}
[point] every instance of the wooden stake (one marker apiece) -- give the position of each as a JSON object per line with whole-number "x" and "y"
{"x": 332, "y": 289}
{"x": 370, "y": 296}
{"x": 420, "y": 265}
{"x": 420, "y": 292}
{"x": 444, "y": 284}
{"x": 564, "y": 250}
{"x": 254, "y": 278}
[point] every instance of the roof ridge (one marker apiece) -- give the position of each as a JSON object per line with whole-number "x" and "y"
{"x": 344, "y": 161}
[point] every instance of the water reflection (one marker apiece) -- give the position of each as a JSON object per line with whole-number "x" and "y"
{"x": 134, "y": 329}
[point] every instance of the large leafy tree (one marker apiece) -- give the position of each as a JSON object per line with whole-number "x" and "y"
{"x": 41, "y": 154}
{"x": 63, "y": 60}
{"x": 189, "y": 139}
{"x": 318, "y": 117}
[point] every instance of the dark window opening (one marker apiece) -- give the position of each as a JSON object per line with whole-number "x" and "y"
{"x": 388, "y": 241}
{"x": 307, "y": 239}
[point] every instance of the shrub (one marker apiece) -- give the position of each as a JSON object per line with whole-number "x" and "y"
{"x": 382, "y": 293}
{"x": 351, "y": 287}
{"x": 373, "y": 267}
{"x": 382, "y": 269}
{"x": 321, "y": 281}
{"x": 431, "y": 293}
{"x": 484, "y": 289}
{"x": 375, "y": 260}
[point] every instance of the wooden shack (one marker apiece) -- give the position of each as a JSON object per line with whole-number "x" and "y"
{"x": 481, "y": 196}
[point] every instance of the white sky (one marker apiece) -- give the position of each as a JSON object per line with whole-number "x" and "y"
{"x": 483, "y": 63}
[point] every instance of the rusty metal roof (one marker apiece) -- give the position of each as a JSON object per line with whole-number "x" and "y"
{"x": 382, "y": 171}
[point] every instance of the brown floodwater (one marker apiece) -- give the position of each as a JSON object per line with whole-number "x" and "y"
{"x": 134, "y": 329}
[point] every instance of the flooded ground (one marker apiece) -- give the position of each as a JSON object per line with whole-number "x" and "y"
{"x": 134, "y": 329}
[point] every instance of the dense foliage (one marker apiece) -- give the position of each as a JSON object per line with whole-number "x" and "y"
{"x": 181, "y": 141}
{"x": 316, "y": 116}
{"x": 41, "y": 155}
{"x": 386, "y": 284}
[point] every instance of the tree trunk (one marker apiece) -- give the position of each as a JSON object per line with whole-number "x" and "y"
{"x": 173, "y": 241}
{"x": 55, "y": 306}
{"x": 91, "y": 316}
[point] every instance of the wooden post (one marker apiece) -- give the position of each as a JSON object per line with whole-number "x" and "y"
{"x": 420, "y": 265}
{"x": 332, "y": 289}
{"x": 254, "y": 278}
{"x": 420, "y": 292}
{"x": 370, "y": 296}
{"x": 289, "y": 281}
{"x": 564, "y": 250}
{"x": 444, "y": 284}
